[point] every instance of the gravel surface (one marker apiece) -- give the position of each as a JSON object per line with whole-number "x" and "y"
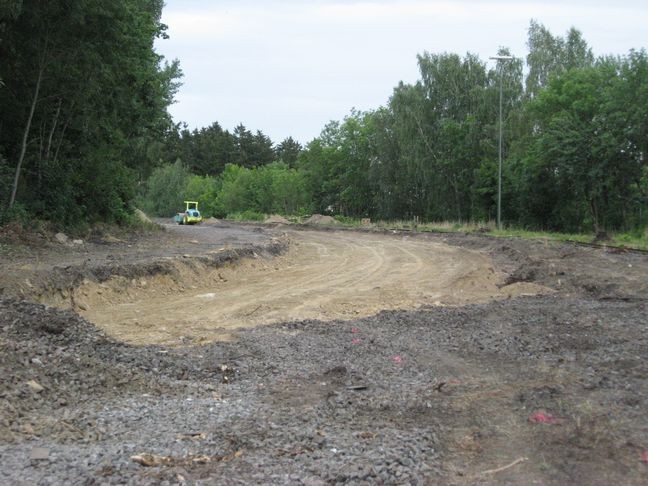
{"x": 438, "y": 395}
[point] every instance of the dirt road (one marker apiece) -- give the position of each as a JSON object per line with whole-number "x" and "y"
{"x": 394, "y": 359}
{"x": 324, "y": 275}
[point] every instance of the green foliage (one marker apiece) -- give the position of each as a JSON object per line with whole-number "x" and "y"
{"x": 274, "y": 188}
{"x": 17, "y": 213}
{"x": 203, "y": 189}
{"x": 288, "y": 151}
{"x": 165, "y": 191}
{"x": 573, "y": 153}
{"x": 83, "y": 105}
{"x": 592, "y": 167}
{"x": 85, "y": 129}
{"x": 247, "y": 215}
{"x": 348, "y": 221}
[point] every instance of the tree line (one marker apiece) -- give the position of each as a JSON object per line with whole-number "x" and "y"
{"x": 575, "y": 140}
{"x": 85, "y": 133}
{"x": 83, "y": 99}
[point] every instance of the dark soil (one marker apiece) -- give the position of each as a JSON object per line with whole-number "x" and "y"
{"x": 438, "y": 395}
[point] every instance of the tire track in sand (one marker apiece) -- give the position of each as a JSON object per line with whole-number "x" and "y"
{"x": 325, "y": 276}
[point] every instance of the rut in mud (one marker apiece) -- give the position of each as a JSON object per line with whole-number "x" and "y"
{"x": 324, "y": 275}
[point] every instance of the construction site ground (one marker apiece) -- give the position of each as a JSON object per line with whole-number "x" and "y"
{"x": 277, "y": 354}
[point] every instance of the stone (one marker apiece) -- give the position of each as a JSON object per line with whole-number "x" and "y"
{"x": 35, "y": 386}
{"x": 39, "y": 454}
{"x": 61, "y": 238}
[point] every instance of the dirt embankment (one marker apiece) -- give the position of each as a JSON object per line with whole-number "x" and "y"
{"x": 489, "y": 387}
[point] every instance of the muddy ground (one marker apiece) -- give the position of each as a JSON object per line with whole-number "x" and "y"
{"x": 389, "y": 358}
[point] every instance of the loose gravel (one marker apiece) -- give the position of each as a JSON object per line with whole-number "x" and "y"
{"x": 375, "y": 400}
{"x": 437, "y": 395}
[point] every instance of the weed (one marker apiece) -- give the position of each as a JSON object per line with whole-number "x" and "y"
{"x": 247, "y": 215}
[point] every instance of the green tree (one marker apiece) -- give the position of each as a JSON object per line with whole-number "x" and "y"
{"x": 584, "y": 147}
{"x": 288, "y": 151}
{"x": 553, "y": 55}
{"x": 85, "y": 94}
{"x": 165, "y": 190}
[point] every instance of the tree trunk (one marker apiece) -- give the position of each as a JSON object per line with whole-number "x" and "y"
{"x": 51, "y": 133}
{"x": 63, "y": 130}
{"x": 23, "y": 148}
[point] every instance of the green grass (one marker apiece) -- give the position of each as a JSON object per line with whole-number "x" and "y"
{"x": 630, "y": 240}
{"x": 246, "y": 216}
{"x": 635, "y": 239}
{"x": 627, "y": 240}
{"x": 542, "y": 235}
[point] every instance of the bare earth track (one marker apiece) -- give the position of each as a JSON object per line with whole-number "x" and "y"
{"x": 322, "y": 276}
{"x": 245, "y": 354}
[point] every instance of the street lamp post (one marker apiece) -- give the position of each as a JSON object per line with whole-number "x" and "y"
{"x": 499, "y": 174}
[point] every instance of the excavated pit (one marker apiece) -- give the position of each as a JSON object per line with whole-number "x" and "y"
{"x": 324, "y": 276}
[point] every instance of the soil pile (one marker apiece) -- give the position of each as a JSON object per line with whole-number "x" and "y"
{"x": 276, "y": 219}
{"x": 321, "y": 220}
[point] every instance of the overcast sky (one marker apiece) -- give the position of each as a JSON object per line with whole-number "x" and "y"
{"x": 288, "y": 67}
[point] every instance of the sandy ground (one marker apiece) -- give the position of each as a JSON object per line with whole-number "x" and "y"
{"x": 324, "y": 275}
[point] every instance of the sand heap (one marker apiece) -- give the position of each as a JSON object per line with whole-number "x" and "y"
{"x": 275, "y": 218}
{"x": 320, "y": 219}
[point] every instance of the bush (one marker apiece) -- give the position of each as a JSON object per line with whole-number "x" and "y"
{"x": 165, "y": 190}
{"x": 17, "y": 214}
{"x": 204, "y": 190}
{"x": 274, "y": 188}
{"x": 247, "y": 215}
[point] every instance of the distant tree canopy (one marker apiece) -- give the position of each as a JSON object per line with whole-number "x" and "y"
{"x": 84, "y": 130}
{"x": 575, "y": 136}
{"x": 208, "y": 150}
{"x": 84, "y": 99}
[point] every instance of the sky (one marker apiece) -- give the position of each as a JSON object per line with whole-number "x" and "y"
{"x": 289, "y": 67}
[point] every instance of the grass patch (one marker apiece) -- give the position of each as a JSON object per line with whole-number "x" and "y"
{"x": 246, "y": 216}
{"x": 635, "y": 240}
{"x": 631, "y": 240}
{"x": 544, "y": 235}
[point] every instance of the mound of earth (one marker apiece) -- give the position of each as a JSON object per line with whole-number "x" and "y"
{"x": 320, "y": 219}
{"x": 276, "y": 218}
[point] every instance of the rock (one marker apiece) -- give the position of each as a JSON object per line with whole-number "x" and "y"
{"x": 61, "y": 238}
{"x": 276, "y": 219}
{"x": 35, "y": 386}
{"x": 39, "y": 454}
{"x": 319, "y": 219}
{"x": 77, "y": 242}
